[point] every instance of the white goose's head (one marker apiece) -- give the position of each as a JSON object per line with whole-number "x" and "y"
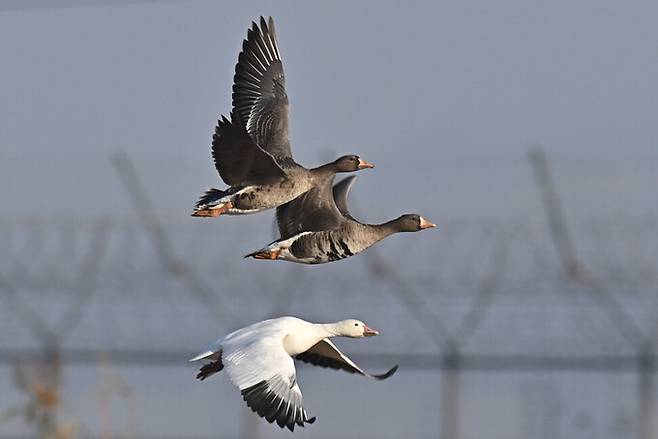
{"x": 355, "y": 329}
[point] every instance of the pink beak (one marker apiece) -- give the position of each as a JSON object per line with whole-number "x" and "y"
{"x": 369, "y": 332}
{"x": 424, "y": 224}
{"x": 365, "y": 165}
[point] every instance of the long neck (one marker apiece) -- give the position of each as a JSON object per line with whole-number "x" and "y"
{"x": 328, "y": 329}
{"x": 385, "y": 229}
{"x": 325, "y": 170}
{"x": 306, "y": 336}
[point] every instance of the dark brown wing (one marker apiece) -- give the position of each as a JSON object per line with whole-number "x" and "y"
{"x": 325, "y": 354}
{"x": 238, "y": 159}
{"x": 313, "y": 211}
{"x": 259, "y": 91}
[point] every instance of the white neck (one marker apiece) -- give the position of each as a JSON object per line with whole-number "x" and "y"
{"x": 329, "y": 329}
{"x": 300, "y": 341}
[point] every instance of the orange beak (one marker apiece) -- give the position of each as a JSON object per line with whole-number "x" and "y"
{"x": 369, "y": 332}
{"x": 424, "y": 224}
{"x": 365, "y": 165}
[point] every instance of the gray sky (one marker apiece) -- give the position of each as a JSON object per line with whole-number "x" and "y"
{"x": 444, "y": 97}
{"x": 438, "y": 93}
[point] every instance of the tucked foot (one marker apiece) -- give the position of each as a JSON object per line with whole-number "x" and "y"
{"x": 213, "y": 211}
{"x": 265, "y": 254}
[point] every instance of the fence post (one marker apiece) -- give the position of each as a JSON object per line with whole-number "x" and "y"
{"x": 450, "y": 392}
{"x": 646, "y": 394}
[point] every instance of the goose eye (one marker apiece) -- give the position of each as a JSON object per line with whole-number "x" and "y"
{"x": 356, "y": 324}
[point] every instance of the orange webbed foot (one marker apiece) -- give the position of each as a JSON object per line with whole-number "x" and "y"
{"x": 211, "y": 212}
{"x": 267, "y": 254}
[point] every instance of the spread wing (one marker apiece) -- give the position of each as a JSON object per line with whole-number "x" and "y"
{"x": 238, "y": 159}
{"x": 325, "y": 354}
{"x": 313, "y": 211}
{"x": 266, "y": 377}
{"x": 259, "y": 91}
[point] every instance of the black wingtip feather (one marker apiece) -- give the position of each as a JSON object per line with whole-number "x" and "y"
{"x": 387, "y": 374}
{"x": 273, "y": 408}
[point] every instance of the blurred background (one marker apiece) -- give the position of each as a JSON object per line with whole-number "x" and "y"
{"x": 526, "y": 130}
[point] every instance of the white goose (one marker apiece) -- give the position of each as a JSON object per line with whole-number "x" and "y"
{"x": 259, "y": 361}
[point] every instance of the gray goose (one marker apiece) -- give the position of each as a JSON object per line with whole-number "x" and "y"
{"x": 316, "y": 227}
{"x": 251, "y": 150}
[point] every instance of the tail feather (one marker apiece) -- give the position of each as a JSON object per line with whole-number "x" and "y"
{"x": 210, "y": 198}
{"x": 210, "y": 369}
{"x": 210, "y": 203}
{"x": 252, "y": 254}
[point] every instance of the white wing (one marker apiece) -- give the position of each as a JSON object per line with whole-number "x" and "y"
{"x": 266, "y": 377}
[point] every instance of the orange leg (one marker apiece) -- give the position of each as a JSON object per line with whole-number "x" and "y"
{"x": 268, "y": 254}
{"x": 213, "y": 212}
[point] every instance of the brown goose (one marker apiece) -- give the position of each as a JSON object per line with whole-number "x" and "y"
{"x": 252, "y": 150}
{"x": 316, "y": 227}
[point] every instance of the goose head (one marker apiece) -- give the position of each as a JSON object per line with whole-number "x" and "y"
{"x": 412, "y": 223}
{"x": 351, "y": 163}
{"x": 355, "y": 329}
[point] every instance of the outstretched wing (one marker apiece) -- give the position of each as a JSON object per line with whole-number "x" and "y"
{"x": 313, "y": 211}
{"x": 325, "y": 354}
{"x": 259, "y": 90}
{"x": 266, "y": 377}
{"x": 238, "y": 159}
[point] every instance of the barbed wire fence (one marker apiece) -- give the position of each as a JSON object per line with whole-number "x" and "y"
{"x": 577, "y": 272}
{"x": 40, "y": 376}
{"x": 450, "y": 359}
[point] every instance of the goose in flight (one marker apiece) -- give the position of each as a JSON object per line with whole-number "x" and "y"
{"x": 251, "y": 149}
{"x": 259, "y": 360}
{"x": 317, "y": 227}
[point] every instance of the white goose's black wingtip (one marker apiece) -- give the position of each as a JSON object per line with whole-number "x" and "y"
{"x": 269, "y": 405}
{"x": 387, "y": 374}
